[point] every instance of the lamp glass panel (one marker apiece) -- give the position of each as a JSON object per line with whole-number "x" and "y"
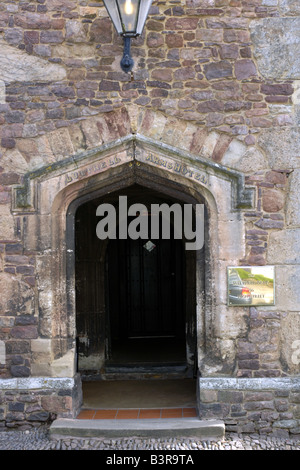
{"x": 113, "y": 11}
{"x": 129, "y": 13}
{"x": 143, "y": 13}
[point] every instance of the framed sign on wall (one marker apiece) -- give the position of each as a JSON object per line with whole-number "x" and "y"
{"x": 250, "y": 285}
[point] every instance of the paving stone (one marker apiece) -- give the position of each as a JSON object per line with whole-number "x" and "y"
{"x": 39, "y": 440}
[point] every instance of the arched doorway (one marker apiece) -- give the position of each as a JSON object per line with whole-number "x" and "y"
{"x": 50, "y": 198}
{"x": 135, "y": 298}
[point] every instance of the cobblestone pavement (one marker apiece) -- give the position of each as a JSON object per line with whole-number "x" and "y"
{"x": 39, "y": 440}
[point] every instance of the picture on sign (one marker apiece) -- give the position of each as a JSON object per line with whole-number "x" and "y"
{"x": 251, "y": 285}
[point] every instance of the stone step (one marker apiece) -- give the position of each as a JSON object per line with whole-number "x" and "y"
{"x": 156, "y": 428}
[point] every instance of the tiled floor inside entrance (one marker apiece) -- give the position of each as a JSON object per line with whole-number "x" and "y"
{"x": 152, "y": 399}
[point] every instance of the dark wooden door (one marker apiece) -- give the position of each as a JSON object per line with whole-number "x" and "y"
{"x": 146, "y": 288}
{"x": 90, "y": 314}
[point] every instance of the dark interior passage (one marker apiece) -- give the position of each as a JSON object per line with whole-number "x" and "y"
{"x": 132, "y": 300}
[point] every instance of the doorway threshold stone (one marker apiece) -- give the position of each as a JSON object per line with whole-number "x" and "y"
{"x": 157, "y": 428}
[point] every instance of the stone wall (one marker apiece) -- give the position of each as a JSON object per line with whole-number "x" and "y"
{"x": 202, "y": 61}
{"x": 27, "y": 403}
{"x": 261, "y": 353}
{"x": 258, "y": 406}
{"x": 216, "y": 81}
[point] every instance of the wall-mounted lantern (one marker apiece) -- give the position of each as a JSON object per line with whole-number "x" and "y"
{"x": 128, "y": 17}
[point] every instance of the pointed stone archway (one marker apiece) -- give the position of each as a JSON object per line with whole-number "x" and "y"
{"x": 48, "y": 201}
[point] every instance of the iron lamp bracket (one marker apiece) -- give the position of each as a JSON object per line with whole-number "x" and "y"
{"x": 127, "y": 61}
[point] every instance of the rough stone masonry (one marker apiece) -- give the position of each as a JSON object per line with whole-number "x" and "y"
{"x": 216, "y": 85}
